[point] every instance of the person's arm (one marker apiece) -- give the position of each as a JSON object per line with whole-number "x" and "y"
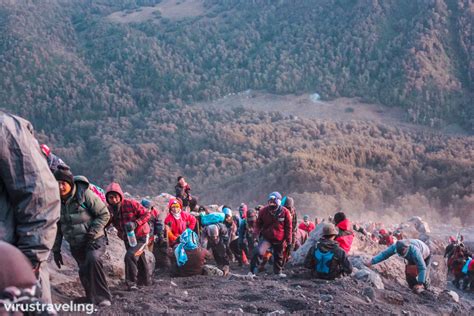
{"x": 190, "y": 221}
{"x": 420, "y": 264}
{"x": 384, "y": 255}
{"x": 99, "y": 211}
{"x": 31, "y": 189}
{"x": 288, "y": 228}
{"x": 58, "y": 240}
{"x": 141, "y": 213}
{"x": 258, "y": 224}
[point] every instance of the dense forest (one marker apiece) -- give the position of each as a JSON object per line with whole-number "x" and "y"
{"x": 111, "y": 88}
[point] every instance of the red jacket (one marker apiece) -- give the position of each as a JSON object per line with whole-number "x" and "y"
{"x": 386, "y": 240}
{"x": 273, "y": 228}
{"x": 128, "y": 211}
{"x": 178, "y": 226}
{"x": 305, "y": 227}
{"x": 346, "y": 235}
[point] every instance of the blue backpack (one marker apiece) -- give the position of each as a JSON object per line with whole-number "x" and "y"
{"x": 323, "y": 262}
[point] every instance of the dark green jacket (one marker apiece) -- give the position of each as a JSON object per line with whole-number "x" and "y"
{"x": 82, "y": 214}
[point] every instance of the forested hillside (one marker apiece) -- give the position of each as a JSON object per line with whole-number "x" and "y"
{"x": 109, "y": 85}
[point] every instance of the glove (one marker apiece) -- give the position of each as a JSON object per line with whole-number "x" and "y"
{"x": 58, "y": 259}
{"x": 130, "y": 226}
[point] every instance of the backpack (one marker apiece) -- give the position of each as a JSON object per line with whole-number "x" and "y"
{"x": 326, "y": 264}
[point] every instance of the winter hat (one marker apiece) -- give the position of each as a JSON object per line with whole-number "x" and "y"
{"x": 306, "y": 218}
{"x": 212, "y": 230}
{"x": 64, "y": 174}
{"x": 289, "y": 203}
{"x": 329, "y": 230}
{"x": 275, "y": 196}
{"x": 227, "y": 211}
{"x": 146, "y": 203}
{"x": 339, "y": 217}
{"x": 402, "y": 247}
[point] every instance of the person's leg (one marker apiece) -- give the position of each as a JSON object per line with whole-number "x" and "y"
{"x": 277, "y": 258}
{"x": 234, "y": 247}
{"x": 428, "y": 270}
{"x": 131, "y": 262}
{"x": 258, "y": 254}
{"x": 79, "y": 254}
{"x": 93, "y": 271}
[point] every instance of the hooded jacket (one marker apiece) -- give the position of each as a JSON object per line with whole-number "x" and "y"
{"x": 82, "y": 214}
{"x": 345, "y": 236}
{"x": 274, "y": 226}
{"x": 339, "y": 265}
{"x": 29, "y": 193}
{"x": 176, "y": 226}
{"x": 126, "y": 211}
{"x": 308, "y": 228}
{"x": 417, "y": 253}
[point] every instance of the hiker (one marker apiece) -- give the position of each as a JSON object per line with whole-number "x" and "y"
{"x": 247, "y": 240}
{"x": 231, "y": 223}
{"x": 306, "y": 225}
{"x": 274, "y": 229}
{"x": 453, "y": 242}
{"x": 189, "y": 256}
{"x": 177, "y": 221}
{"x": 386, "y": 238}
{"x": 290, "y": 205}
{"x": 346, "y": 235}
{"x": 327, "y": 260}
{"x": 154, "y": 221}
{"x": 418, "y": 260}
{"x": 53, "y": 161}
{"x": 17, "y": 280}
{"x": 218, "y": 242}
{"x": 243, "y": 210}
{"x": 82, "y": 222}
{"x": 130, "y": 216}
{"x": 183, "y": 190}
{"x": 29, "y": 197}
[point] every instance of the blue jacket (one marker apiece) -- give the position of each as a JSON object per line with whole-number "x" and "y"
{"x": 418, "y": 251}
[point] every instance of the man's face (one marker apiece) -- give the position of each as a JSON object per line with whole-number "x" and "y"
{"x": 228, "y": 219}
{"x": 113, "y": 198}
{"x": 213, "y": 240}
{"x": 272, "y": 203}
{"x": 64, "y": 188}
{"x": 181, "y": 181}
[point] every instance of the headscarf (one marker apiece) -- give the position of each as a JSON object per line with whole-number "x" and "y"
{"x": 187, "y": 241}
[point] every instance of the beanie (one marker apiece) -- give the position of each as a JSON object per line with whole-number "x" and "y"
{"x": 64, "y": 174}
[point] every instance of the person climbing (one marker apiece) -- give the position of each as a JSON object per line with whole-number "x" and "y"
{"x": 183, "y": 190}
{"x": 177, "y": 221}
{"x": 453, "y": 242}
{"x": 290, "y": 205}
{"x": 218, "y": 242}
{"x": 306, "y": 224}
{"x": 386, "y": 237}
{"x": 418, "y": 260}
{"x": 327, "y": 260}
{"x": 29, "y": 197}
{"x": 130, "y": 216}
{"x": 53, "y": 161}
{"x": 346, "y": 235}
{"x": 274, "y": 229}
{"x": 189, "y": 257}
{"x": 247, "y": 240}
{"x": 231, "y": 224}
{"x": 82, "y": 222}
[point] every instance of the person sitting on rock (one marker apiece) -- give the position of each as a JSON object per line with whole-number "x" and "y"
{"x": 218, "y": 242}
{"x": 274, "y": 229}
{"x": 129, "y": 215}
{"x": 189, "y": 258}
{"x": 182, "y": 190}
{"x": 418, "y": 260}
{"x": 177, "y": 221}
{"x": 386, "y": 238}
{"x": 306, "y": 224}
{"x": 82, "y": 222}
{"x": 346, "y": 235}
{"x": 327, "y": 260}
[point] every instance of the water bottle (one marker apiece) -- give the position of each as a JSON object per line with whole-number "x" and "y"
{"x": 132, "y": 239}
